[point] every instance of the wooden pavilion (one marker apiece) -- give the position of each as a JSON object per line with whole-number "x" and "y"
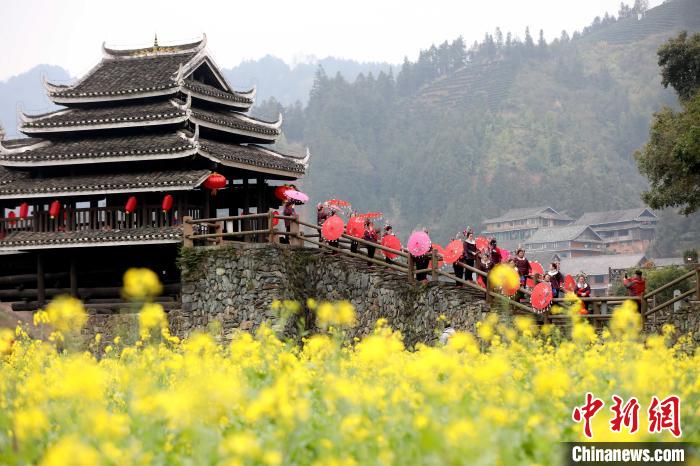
{"x": 103, "y": 183}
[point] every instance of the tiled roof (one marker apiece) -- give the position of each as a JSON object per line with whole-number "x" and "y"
{"x": 612, "y": 216}
{"x": 598, "y": 265}
{"x": 88, "y": 150}
{"x": 205, "y": 89}
{"x": 61, "y": 239}
{"x": 138, "y": 113}
{"x": 234, "y": 121}
{"x": 123, "y": 77}
{"x": 528, "y": 212}
{"x": 15, "y": 184}
{"x": 250, "y": 155}
{"x": 667, "y": 261}
{"x": 567, "y": 233}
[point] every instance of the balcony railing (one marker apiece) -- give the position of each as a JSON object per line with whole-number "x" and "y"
{"x": 96, "y": 219}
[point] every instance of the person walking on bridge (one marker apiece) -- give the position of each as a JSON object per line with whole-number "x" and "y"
{"x": 523, "y": 266}
{"x": 470, "y": 254}
{"x": 372, "y": 236}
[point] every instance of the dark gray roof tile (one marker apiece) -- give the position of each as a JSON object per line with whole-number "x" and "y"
{"x": 251, "y": 155}
{"x": 29, "y": 239}
{"x": 18, "y": 183}
{"x": 87, "y": 150}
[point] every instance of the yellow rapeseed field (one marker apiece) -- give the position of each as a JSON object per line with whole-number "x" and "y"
{"x": 503, "y": 396}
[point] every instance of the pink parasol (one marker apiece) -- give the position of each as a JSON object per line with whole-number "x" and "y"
{"x": 480, "y": 281}
{"x": 482, "y": 243}
{"x": 541, "y": 296}
{"x": 356, "y": 227}
{"x": 418, "y": 243}
{"x": 536, "y": 268}
{"x": 297, "y": 196}
{"x": 505, "y": 254}
{"x": 453, "y": 251}
{"x": 332, "y": 228}
{"x": 391, "y": 241}
{"x": 441, "y": 252}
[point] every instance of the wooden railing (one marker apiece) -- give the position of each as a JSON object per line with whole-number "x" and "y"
{"x": 94, "y": 218}
{"x": 260, "y": 228}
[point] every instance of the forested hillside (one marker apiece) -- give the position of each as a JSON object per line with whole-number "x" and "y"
{"x": 462, "y": 134}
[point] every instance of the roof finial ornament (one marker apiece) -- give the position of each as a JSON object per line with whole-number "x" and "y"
{"x": 155, "y": 41}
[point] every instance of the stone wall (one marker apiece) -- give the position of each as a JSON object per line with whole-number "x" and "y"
{"x": 686, "y": 320}
{"x": 236, "y": 285}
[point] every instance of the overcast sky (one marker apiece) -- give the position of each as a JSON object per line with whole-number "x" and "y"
{"x": 69, "y": 33}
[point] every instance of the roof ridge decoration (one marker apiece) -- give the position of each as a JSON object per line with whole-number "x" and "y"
{"x": 125, "y": 54}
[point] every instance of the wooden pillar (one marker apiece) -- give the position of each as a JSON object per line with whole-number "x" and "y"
{"x": 73, "y": 273}
{"x": 411, "y": 275}
{"x": 434, "y": 265}
{"x": 187, "y": 232}
{"x": 40, "y": 280}
{"x": 271, "y": 237}
{"x": 261, "y": 222}
{"x": 246, "y": 207}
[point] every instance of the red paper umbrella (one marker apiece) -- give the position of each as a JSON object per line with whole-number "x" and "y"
{"x": 280, "y": 192}
{"x": 569, "y": 283}
{"x": 536, "y": 268}
{"x": 130, "y": 206}
{"x": 12, "y": 216}
{"x": 332, "y": 228}
{"x": 167, "y": 203}
{"x": 54, "y": 209}
{"x": 482, "y": 243}
{"x": 441, "y": 252}
{"x": 337, "y": 202}
{"x": 505, "y": 254}
{"x": 453, "y": 251}
{"x": 391, "y": 241}
{"x": 480, "y": 281}
{"x": 275, "y": 220}
{"x": 214, "y": 182}
{"x": 23, "y": 210}
{"x": 418, "y": 243}
{"x": 541, "y": 296}
{"x": 356, "y": 227}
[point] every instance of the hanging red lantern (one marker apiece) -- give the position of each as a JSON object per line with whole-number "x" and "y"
{"x": 130, "y": 206}
{"x": 54, "y": 209}
{"x": 11, "y": 216}
{"x": 214, "y": 182}
{"x": 167, "y": 203}
{"x": 23, "y": 210}
{"x": 280, "y": 192}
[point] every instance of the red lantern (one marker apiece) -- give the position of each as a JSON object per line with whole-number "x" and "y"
{"x": 167, "y": 203}
{"x": 11, "y": 216}
{"x": 214, "y": 182}
{"x": 23, "y": 210}
{"x": 54, "y": 209}
{"x": 280, "y": 192}
{"x": 130, "y": 206}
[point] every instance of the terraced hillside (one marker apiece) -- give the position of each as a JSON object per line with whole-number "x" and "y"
{"x": 475, "y": 84}
{"x": 488, "y": 84}
{"x": 667, "y": 18}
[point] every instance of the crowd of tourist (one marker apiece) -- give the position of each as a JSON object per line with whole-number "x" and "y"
{"x": 474, "y": 258}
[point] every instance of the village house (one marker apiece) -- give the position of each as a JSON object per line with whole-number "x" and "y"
{"x": 626, "y": 231}
{"x": 517, "y": 225}
{"x": 568, "y": 241}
